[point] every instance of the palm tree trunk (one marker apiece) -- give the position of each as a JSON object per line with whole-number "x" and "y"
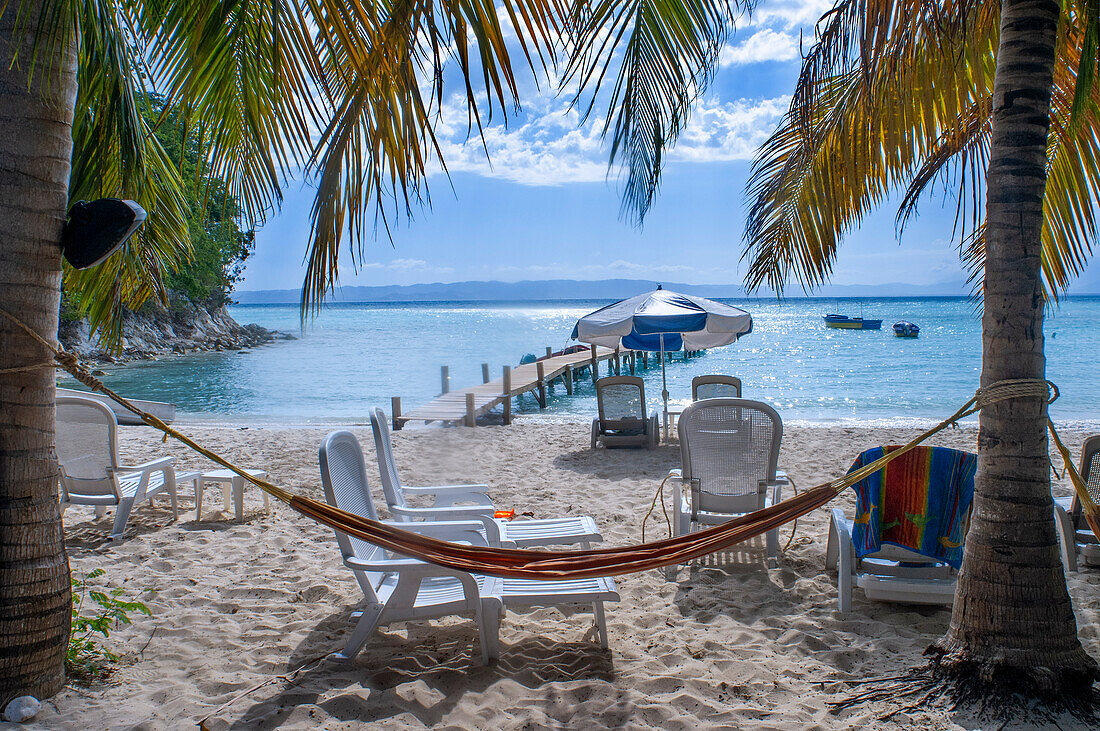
{"x": 35, "y": 160}
{"x": 1012, "y": 619}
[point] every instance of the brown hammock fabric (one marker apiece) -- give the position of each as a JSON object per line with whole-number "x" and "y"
{"x": 563, "y": 565}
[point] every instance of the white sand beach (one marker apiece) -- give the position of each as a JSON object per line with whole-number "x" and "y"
{"x": 730, "y": 644}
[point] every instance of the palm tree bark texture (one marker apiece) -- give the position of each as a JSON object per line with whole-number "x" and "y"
{"x": 36, "y": 116}
{"x": 1012, "y": 621}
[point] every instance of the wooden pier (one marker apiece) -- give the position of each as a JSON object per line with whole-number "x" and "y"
{"x": 465, "y": 405}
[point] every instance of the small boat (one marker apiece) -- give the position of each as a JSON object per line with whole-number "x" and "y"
{"x": 905, "y": 329}
{"x": 852, "y": 323}
{"x": 164, "y": 412}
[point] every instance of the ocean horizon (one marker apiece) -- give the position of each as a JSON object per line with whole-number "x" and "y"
{"x": 354, "y": 356}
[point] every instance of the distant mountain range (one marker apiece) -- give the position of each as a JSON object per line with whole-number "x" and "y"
{"x": 558, "y": 289}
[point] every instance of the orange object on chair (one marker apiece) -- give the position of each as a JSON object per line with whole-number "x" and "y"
{"x": 506, "y": 514}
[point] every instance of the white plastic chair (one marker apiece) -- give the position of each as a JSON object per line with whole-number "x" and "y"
{"x": 729, "y": 451}
{"x": 891, "y": 574}
{"x": 399, "y": 589}
{"x": 715, "y": 386}
{"x": 1074, "y": 534}
{"x": 465, "y": 502}
{"x": 91, "y": 474}
{"x": 622, "y": 420}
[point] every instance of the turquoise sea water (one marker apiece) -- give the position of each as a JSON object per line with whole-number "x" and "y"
{"x": 353, "y": 357}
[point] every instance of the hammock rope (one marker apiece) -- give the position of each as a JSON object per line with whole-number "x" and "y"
{"x": 574, "y": 564}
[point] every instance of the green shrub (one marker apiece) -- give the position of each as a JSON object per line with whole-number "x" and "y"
{"x": 88, "y": 659}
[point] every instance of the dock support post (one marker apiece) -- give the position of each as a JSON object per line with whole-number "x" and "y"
{"x": 471, "y": 417}
{"x": 484, "y": 372}
{"x": 595, "y": 366}
{"x": 645, "y": 360}
{"x": 507, "y": 394}
{"x": 549, "y": 351}
{"x": 614, "y": 362}
{"x": 633, "y": 357}
{"x": 395, "y": 407}
{"x": 445, "y": 378}
{"x": 568, "y": 378}
{"x": 540, "y": 369}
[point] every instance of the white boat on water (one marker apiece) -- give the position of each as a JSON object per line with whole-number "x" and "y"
{"x": 164, "y": 412}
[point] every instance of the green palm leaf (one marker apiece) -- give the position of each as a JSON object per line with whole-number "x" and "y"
{"x": 669, "y": 54}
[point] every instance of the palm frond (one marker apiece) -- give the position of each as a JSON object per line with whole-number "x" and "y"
{"x": 239, "y": 73}
{"x": 884, "y": 88}
{"x": 920, "y": 79}
{"x": 116, "y": 155}
{"x": 669, "y": 54}
{"x": 383, "y": 66}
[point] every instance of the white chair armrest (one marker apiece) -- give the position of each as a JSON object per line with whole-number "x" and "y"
{"x": 775, "y": 494}
{"x": 452, "y": 517}
{"x": 1067, "y": 536}
{"x": 840, "y": 537}
{"x": 839, "y": 553}
{"x": 467, "y": 499}
{"x": 443, "y": 512}
{"x": 675, "y": 472}
{"x": 781, "y": 478}
{"x": 151, "y": 466}
{"x": 444, "y": 489}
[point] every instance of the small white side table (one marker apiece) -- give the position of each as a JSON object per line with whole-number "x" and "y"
{"x": 228, "y": 481}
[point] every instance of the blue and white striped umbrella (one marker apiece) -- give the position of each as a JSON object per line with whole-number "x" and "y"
{"x": 685, "y": 321}
{"x": 663, "y": 321}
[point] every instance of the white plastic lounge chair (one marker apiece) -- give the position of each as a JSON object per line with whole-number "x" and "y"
{"x": 891, "y": 574}
{"x": 729, "y": 450}
{"x": 399, "y": 589}
{"x": 91, "y": 474}
{"x": 465, "y": 502}
{"x": 1074, "y": 533}
{"x": 715, "y": 386}
{"x": 622, "y": 421}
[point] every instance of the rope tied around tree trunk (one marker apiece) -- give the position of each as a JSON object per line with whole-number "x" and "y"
{"x": 564, "y": 565}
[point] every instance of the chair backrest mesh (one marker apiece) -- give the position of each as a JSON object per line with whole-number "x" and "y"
{"x": 387, "y": 465}
{"x": 1090, "y": 472}
{"x": 717, "y": 386}
{"x": 729, "y": 448}
{"x": 344, "y": 477}
{"x": 86, "y": 443}
{"x": 621, "y": 401}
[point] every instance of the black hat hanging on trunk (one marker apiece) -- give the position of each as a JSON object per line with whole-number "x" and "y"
{"x": 96, "y": 230}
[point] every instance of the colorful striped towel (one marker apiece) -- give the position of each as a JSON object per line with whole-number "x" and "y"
{"x": 920, "y": 501}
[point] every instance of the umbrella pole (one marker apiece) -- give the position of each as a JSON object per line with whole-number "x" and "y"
{"x": 664, "y": 385}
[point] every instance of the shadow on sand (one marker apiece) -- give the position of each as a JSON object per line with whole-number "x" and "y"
{"x": 425, "y": 674}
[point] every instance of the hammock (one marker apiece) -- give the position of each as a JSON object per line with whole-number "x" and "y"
{"x": 563, "y": 565}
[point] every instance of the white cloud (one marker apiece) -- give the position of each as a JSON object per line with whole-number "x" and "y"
{"x": 730, "y": 131}
{"x": 763, "y": 45}
{"x": 402, "y": 265}
{"x": 790, "y": 14}
{"x": 549, "y": 147}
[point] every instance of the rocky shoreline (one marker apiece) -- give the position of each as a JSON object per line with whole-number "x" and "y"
{"x": 155, "y": 332}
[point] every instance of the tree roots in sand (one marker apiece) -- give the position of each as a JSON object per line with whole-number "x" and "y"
{"x": 989, "y": 690}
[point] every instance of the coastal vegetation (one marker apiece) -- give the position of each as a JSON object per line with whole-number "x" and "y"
{"x": 202, "y": 271}
{"x": 255, "y": 81}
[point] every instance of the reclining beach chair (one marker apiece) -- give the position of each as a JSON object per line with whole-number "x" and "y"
{"x": 91, "y": 474}
{"x": 465, "y": 502}
{"x": 1074, "y": 533}
{"x": 729, "y": 451}
{"x": 715, "y": 386}
{"x": 907, "y": 542}
{"x": 399, "y": 589}
{"x": 622, "y": 421}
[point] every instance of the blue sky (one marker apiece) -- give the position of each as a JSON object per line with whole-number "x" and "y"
{"x": 544, "y": 207}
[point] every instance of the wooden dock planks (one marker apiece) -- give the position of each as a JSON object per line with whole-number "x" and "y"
{"x": 453, "y": 406}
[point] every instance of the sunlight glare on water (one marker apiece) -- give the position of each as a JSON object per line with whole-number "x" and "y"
{"x": 353, "y": 357}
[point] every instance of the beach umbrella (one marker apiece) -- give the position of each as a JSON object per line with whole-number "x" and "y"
{"x": 662, "y": 321}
